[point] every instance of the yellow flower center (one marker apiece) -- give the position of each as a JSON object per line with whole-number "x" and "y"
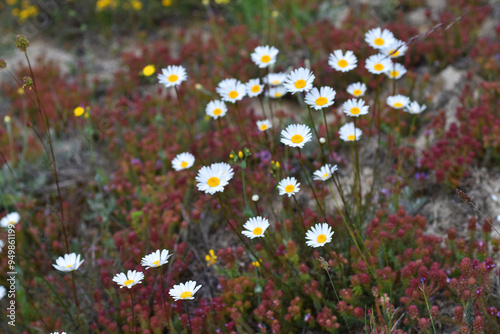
{"x": 12, "y": 223}
{"x": 173, "y": 78}
{"x": 321, "y": 101}
{"x": 357, "y": 92}
{"x": 321, "y": 238}
{"x": 297, "y": 139}
{"x": 395, "y": 54}
{"x": 277, "y": 95}
{"x": 394, "y": 74}
{"x": 128, "y": 282}
{"x": 233, "y": 94}
{"x": 355, "y": 111}
{"x": 397, "y": 105}
{"x": 156, "y": 263}
{"x": 276, "y": 82}
{"x": 265, "y": 59}
{"x": 184, "y": 164}
{"x": 326, "y": 175}
{"x": 289, "y": 188}
{"x": 342, "y": 63}
{"x": 213, "y": 181}
{"x": 351, "y": 137}
{"x": 257, "y": 231}
{"x": 255, "y": 89}
{"x": 186, "y": 294}
{"x": 263, "y": 127}
{"x": 379, "y": 41}
{"x": 148, "y": 70}
{"x": 69, "y": 266}
{"x": 299, "y": 84}
{"x": 217, "y": 112}
{"x": 378, "y": 67}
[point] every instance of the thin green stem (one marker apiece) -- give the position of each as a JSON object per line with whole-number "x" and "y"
{"x": 164, "y": 301}
{"x": 300, "y": 214}
{"x": 328, "y": 135}
{"x": 310, "y": 184}
{"x": 133, "y": 314}
{"x": 316, "y": 133}
{"x": 76, "y": 299}
{"x": 189, "y": 316}
{"x": 51, "y": 156}
{"x": 428, "y": 308}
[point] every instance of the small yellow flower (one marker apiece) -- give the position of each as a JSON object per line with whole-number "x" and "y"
{"x": 137, "y": 5}
{"x": 198, "y": 86}
{"x": 240, "y": 155}
{"x": 211, "y": 258}
{"x": 79, "y": 111}
{"x": 277, "y": 164}
{"x": 149, "y": 70}
{"x": 231, "y": 156}
{"x": 86, "y": 115}
{"x": 166, "y": 3}
{"x": 275, "y": 13}
{"x": 257, "y": 263}
{"x": 20, "y": 91}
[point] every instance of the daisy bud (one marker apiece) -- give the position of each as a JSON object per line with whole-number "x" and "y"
{"x": 240, "y": 154}
{"x": 255, "y": 198}
{"x": 322, "y": 140}
{"x": 7, "y": 119}
{"x": 198, "y": 86}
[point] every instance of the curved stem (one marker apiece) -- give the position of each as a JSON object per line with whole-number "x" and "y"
{"x": 76, "y": 298}
{"x": 189, "y": 316}
{"x": 300, "y": 213}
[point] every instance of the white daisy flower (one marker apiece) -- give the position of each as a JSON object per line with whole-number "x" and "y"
{"x": 398, "y": 101}
{"x": 396, "y": 71}
{"x": 325, "y": 172}
{"x": 216, "y": 109}
{"x": 288, "y": 186}
{"x": 296, "y": 135}
{"x": 415, "y": 108}
{"x": 264, "y": 125}
{"x": 256, "y": 226}
{"x": 275, "y": 79}
{"x": 11, "y": 219}
{"x": 357, "y": 89}
{"x": 264, "y": 56}
{"x": 70, "y": 262}
{"x": 342, "y": 62}
{"x": 355, "y": 108}
{"x": 320, "y": 98}
{"x": 184, "y": 290}
{"x": 231, "y": 90}
{"x": 254, "y": 88}
{"x": 172, "y": 76}
{"x": 183, "y": 161}
{"x": 299, "y": 80}
{"x": 319, "y": 235}
{"x": 3, "y": 292}
{"x": 214, "y": 178}
{"x": 378, "y": 38}
{"x": 155, "y": 259}
{"x": 277, "y": 92}
{"x": 58, "y": 333}
{"x": 378, "y": 63}
{"x": 396, "y": 49}
{"x": 348, "y": 132}
{"x": 132, "y": 278}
